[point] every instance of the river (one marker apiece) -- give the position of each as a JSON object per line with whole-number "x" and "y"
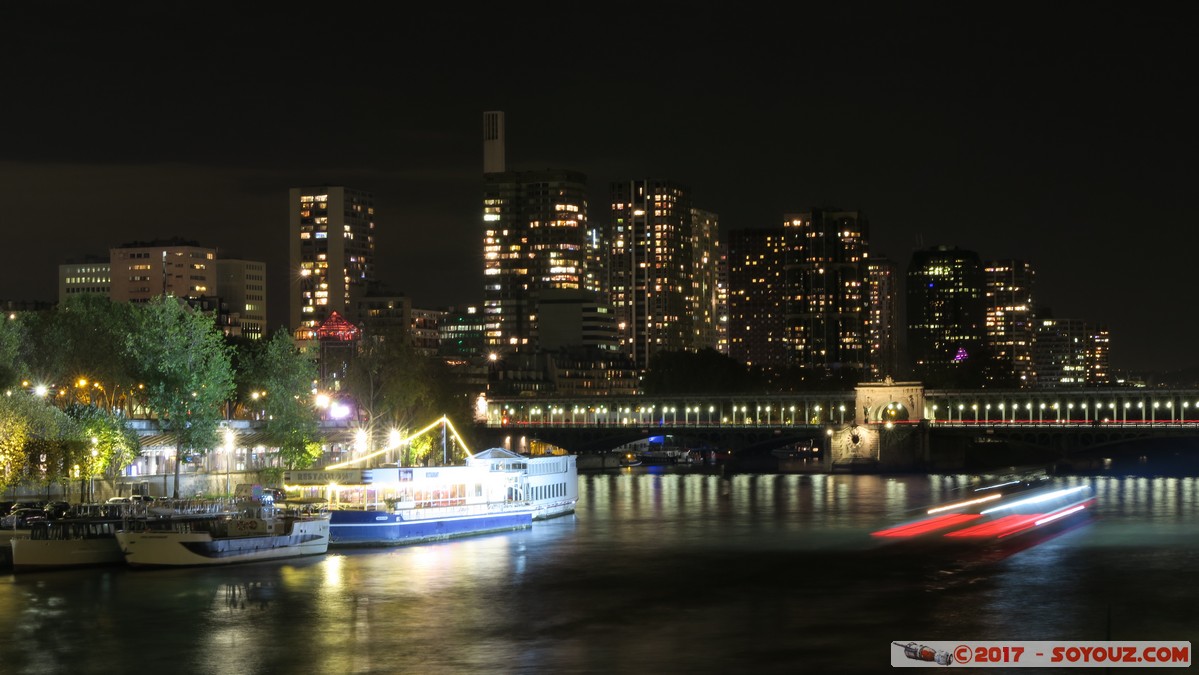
{"x": 656, "y": 572}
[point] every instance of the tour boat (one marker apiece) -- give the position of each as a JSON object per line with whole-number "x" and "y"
{"x": 68, "y": 542}
{"x": 496, "y": 490}
{"x": 253, "y": 532}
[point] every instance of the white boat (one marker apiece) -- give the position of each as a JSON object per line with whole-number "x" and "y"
{"x": 496, "y": 490}
{"x": 66, "y": 543}
{"x": 254, "y": 532}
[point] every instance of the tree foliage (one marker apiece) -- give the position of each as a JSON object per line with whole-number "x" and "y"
{"x": 11, "y": 333}
{"x": 38, "y": 442}
{"x": 277, "y": 379}
{"x": 397, "y": 387}
{"x": 79, "y": 346}
{"x": 184, "y": 363}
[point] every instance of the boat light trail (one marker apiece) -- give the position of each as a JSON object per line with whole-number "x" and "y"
{"x": 958, "y": 505}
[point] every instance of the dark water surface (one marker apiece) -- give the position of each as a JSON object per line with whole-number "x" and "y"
{"x": 655, "y": 573}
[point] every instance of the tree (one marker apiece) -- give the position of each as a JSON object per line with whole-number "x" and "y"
{"x": 105, "y": 433}
{"x": 397, "y": 387}
{"x": 38, "y": 442}
{"x": 184, "y": 363}
{"x": 10, "y": 349}
{"x": 280, "y": 379}
{"x": 79, "y": 346}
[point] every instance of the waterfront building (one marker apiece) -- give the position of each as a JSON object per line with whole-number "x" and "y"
{"x": 1010, "y": 322}
{"x": 241, "y": 284}
{"x": 946, "y": 316}
{"x": 331, "y": 253}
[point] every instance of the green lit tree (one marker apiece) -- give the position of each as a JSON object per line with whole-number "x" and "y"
{"x": 109, "y": 444}
{"x": 38, "y": 442}
{"x": 184, "y": 363}
{"x": 279, "y": 379}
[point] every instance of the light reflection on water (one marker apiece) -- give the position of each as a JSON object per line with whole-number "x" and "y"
{"x": 656, "y": 572}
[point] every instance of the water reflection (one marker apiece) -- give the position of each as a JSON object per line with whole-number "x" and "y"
{"x": 657, "y": 572}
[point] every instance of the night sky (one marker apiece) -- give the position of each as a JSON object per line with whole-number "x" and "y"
{"x": 1065, "y": 139}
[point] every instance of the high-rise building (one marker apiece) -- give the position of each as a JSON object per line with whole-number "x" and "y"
{"x": 882, "y": 293}
{"x": 651, "y": 268}
{"x": 534, "y": 240}
{"x": 144, "y": 270}
{"x": 757, "y": 295}
{"x": 575, "y": 319}
{"x": 1071, "y": 353}
{"x": 1010, "y": 326}
{"x": 946, "y": 316}
{"x": 242, "y": 285}
{"x": 707, "y": 259}
{"x": 331, "y": 252}
{"x": 826, "y": 310}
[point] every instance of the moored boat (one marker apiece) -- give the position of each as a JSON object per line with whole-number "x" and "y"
{"x": 68, "y": 542}
{"x": 253, "y": 532}
{"x": 496, "y": 490}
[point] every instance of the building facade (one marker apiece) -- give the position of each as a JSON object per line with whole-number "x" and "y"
{"x": 331, "y": 241}
{"x": 757, "y": 296}
{"x": 882, "y": 307}
{"x": 1010, "y": 322}
{"x": 91, "y": 275}
{"x": 142, "y": 271}
{"x": 946, "y": 317}
{"x": 533, "y": 241}
{"x": 241, "y": 284}
{"x": 1071, "y": 353}
{"x": 826, "y": 280}
{"x": 651, "y": 268}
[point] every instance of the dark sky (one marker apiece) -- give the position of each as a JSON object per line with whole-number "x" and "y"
{"x": 1066, "y": 139}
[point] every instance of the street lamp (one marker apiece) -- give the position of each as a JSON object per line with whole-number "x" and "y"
{"x": 228, "y": 456}
{"x": 92, "y": 471}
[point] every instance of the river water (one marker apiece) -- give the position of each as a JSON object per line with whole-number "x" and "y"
{"x": 656, "y": 572}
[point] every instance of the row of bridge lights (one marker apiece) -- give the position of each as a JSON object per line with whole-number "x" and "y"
{"x": 640, "y": 411}
{"x": 1057, "y": 409}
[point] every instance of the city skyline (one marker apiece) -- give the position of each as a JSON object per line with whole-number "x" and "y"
{"x": 1052, "y": 142}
